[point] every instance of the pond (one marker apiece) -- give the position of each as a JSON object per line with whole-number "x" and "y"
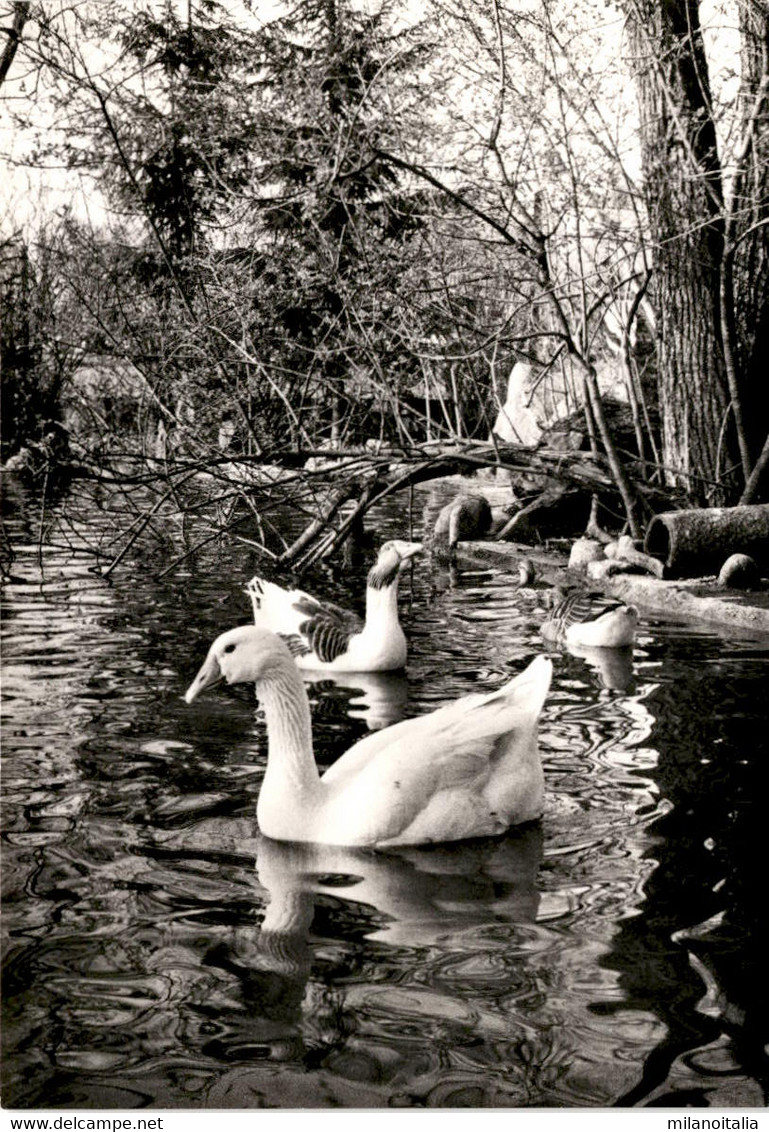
{"x": 158, "y": 953}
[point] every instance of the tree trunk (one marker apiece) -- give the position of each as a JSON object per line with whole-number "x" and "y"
{"x": 13, "y": 37}
{"x": 751, "y": 212}
{"x": 685, "y": 206}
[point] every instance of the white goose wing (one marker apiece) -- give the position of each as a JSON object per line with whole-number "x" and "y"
{"x": 462, "y": 731}
{"x": 305, "y": 624}
{"x": 400, "y": 736}
{"x": 523, "y": 695}
{"x": 433, "y": 778}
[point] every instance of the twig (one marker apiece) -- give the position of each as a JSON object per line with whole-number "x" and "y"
{"x": 310, "y": 533}
{"x": 141, "y": 526}
{"x": 335, "y": 539}
{"x": 754, "y": 479}
{"x": 42, "y": 522}
{"x": 257, "y": 546}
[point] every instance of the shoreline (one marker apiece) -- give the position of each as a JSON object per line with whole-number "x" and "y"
{"x": 745, "y": 612}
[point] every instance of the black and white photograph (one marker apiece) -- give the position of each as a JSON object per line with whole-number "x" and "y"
{"x": 385, "y": 561}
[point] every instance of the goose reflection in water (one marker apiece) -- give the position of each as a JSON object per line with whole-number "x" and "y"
{"x": 420, "y": 895}
{"x": 379, "y": 699}
{"x": 613, "y": 666}
{"x": 404, "y": 898}
{"x": 304, "y": 974}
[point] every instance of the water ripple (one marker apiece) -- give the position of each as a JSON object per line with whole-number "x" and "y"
{"x": 159, "y": 952}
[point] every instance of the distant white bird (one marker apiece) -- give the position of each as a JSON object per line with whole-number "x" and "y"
{"x": 470, "y": 769}
{"x": 590, "y": 619}
{"x": 324, "y": 636}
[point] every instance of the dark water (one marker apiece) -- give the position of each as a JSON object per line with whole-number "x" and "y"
{"x": 157, "y": 953}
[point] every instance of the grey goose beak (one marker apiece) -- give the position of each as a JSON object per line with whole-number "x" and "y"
{"x": 210, "y": 673}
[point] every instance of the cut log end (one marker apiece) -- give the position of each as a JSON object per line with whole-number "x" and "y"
{"x": 657, "y": 541}
{"x": 696, "y": 542}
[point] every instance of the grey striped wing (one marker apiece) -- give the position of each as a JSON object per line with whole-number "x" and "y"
{"x": 327, "y": 629}
{"x": 577, "y": 608}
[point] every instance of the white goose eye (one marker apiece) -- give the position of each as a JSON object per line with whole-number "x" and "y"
{"x": 229, "y": 648}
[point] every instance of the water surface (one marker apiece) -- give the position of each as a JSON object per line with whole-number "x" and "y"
{"x": 158, "y": 953}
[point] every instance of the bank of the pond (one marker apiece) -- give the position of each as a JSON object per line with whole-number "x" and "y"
{"x": 700, "y": 600}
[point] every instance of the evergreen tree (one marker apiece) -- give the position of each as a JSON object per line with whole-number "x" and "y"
{"x": 332, "y": 219}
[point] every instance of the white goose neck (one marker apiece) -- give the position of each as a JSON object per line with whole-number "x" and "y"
{"x": 289, "y": 727}
{"x": 381, "y": 604}
{"x": 288, "y": 914}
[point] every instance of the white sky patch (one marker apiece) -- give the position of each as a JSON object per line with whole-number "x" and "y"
{"x": 33, "y": 190}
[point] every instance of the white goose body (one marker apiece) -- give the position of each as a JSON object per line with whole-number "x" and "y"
{"x": 470, "y": 769}
{"x": 591, "y": 620}
{"x": 321, "y": 636}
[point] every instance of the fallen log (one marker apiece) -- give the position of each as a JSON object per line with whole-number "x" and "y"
{"x": 696, "y": 543}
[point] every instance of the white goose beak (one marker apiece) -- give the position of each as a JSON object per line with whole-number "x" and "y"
{"x": 407, "y": 550}
{"x": 210, "y": 673}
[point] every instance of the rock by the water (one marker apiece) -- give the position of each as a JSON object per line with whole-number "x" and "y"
{"x": 601, "y": 568}
{"x": 585, "y": 550}
{"x": 739, "y": 572}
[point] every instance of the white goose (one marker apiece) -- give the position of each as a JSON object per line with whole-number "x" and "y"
{"x": 590, "y": 619}
{"x": 324, "y": 636}
{"x": 470, "y": 769}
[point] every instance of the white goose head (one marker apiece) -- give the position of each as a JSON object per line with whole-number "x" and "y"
{"x": 392, "y": 556}
{"x": 244, "y": 655}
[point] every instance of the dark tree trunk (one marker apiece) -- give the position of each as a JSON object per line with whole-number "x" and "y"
{"x": 751, "y": 212}
{"x": 12, "y": 36}
{"x": 685, "y": 205}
